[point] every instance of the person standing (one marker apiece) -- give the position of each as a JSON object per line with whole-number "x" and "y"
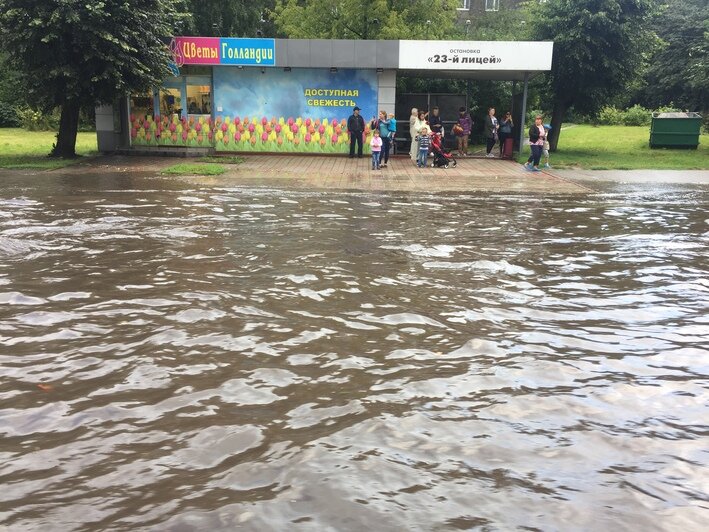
{"x": 413, "y": 152}
{"x": 382, "y": 125}
{"x": 462, "y": 130}
{"x": 423, "y": 141}
{"x": 418, "y": 126}
{"x": 505, "y": 130}
{"x": 392, "y": 132}
{"x": 537, "y": 136}
{"x": 491, "y": 127}
{"x": 435, "y": 122}
{"x": 355, "y": 127}
{"x": 376, "y": 145}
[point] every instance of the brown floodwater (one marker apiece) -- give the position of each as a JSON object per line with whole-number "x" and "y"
{"x": 176, "y": 357}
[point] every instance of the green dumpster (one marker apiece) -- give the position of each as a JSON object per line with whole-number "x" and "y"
{"x": 675, "y": 130}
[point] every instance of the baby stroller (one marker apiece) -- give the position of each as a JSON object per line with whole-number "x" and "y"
{"x": 441, "y": 158}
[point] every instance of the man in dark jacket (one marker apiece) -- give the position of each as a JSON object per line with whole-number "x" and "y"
{"x": 355, "y": 127}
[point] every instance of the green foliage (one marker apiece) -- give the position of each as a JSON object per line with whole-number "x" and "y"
{"x": 610, "y": 116}
{"x": 86, "y": 51}
{"x": 36, "y": 120}
{"x": 503, "y": 25}
{"x": 598, "y": 46}
{"x": 8, "y": 115}
{"x": 637, "y": 115}
{"x": 223, "y": 159}
{"x": 235, "y": 18}
{"x": 194, "y": 169}
{"x": 365, "y": 19}
{"x": 77, "y": 53}
{"x": 679, "y": 71}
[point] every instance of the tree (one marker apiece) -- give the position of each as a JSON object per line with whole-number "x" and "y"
{"x": 679, "y": 72}
{"x": 74, "y": 53}
{"x": 365, "y": 19}
{"x": 235, "y": 18}
{"x": 599, "y": 48}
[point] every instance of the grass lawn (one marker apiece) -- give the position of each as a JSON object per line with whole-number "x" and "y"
{"x": 194, "y": 169}
{"x": 29, "y": 149}
{"x": 223, "y": 159}
{"x": 621, "y": 148}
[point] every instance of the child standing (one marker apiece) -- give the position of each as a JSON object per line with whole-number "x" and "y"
{"x": 392, "y": 131}
{"x": 376, "y": 144}
{"x": 424, "y": 142}
{"x": 545, "y": 149}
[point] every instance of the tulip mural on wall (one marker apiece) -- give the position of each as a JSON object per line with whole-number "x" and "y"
{"x": 301, "y": 111}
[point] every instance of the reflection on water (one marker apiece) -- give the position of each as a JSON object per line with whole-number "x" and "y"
{"x": 208, "y": 359}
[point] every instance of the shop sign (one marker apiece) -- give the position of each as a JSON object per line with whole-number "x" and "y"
{"x": 475, "y": 55}
{"x": 223, "y": 51}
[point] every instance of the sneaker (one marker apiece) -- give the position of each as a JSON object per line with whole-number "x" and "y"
{"x": 527, "y": 166}
{"x": 547, "y": 165}
{"x": 490, "y": 155}
{"x": 535, "y": 169}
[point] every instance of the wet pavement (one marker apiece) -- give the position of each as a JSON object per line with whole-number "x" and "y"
{"x": 192, "y": 355}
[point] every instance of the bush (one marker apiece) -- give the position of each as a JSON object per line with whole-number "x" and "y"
{"x": 637, "y": 115}
{"x": 8, "y": 115}
{"x": 610, "y": 116}
{"x": 33, "y": 120}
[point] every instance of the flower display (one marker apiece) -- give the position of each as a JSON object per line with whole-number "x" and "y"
{"x": 245, "y": 134}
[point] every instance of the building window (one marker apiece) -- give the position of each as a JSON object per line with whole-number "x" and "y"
{"x": 463, "y": 5}
{"x": 199, "y": 100}
{"x": 492, "y": 5}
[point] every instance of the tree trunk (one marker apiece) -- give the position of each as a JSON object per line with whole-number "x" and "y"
{"x": 557, "y": 118}
{"x": 68, "y": 126}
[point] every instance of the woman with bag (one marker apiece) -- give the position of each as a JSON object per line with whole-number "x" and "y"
{"x": 537, "y": 137}
{"x": 491, "y": 127}
{"x": 505, "y": 131}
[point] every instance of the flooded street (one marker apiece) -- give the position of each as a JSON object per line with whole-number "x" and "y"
{"x": 176, "y": 357}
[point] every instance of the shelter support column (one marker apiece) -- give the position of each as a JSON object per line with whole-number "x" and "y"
{"x": 386, "y": 91}
{"x": 524, "y": 112}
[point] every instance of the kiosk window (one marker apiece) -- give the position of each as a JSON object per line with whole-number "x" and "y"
{"x": 199, "y": 99}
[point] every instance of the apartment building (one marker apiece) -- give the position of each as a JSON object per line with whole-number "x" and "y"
{"x": 468, "y": 7}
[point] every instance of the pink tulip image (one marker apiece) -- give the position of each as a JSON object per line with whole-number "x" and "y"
{"x": 264, "y": 121}
{"x": 198, "y": 127}
{"x": 210, "y": 135}
{"x": 237, "y": 120}
{"x": 307, "y": 137}
{"x": 307, "y": 122}
{"x": 294, "y": 128}
{"x": 251, "y": 128}
{"x": 133, "y": 132}
{"x": 146, "y": 125}
{"x": 132, "y": 117}
{"x": 291, "y": 121}
{"x": 184, "y": 136}
{"x": 321, "y": 129}
{"x": 278, "y": 128}
{"x": 264, "y": 136}
{"x": 225, "y": 127}
{"x": 237, "y": 136}
{"x": 172, "y": 128}
{"x": 334, "y": 139}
